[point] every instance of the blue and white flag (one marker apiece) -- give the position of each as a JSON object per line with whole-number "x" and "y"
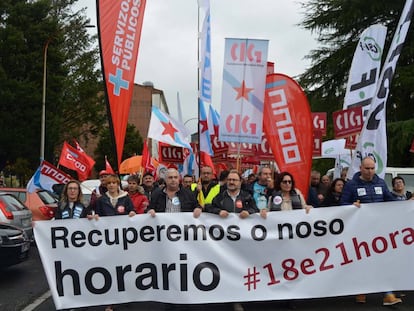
{"x": 46, "y": 176}
{"x": 205, "y": 54}
{"x": 166, "y": 129}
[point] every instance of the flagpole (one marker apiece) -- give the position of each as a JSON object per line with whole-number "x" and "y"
{"x": 198, "y": 89}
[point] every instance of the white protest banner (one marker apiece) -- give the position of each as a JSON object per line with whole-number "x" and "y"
{"x": 242, "y": 97}
{"x": 176, "y": 258}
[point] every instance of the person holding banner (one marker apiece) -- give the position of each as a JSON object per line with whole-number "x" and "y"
{"x": 285, "y": 197}
{"x": 233, "y": 200}
{"x": 173, "y": 198}
{"x": 367, "y": 187}
{"x": 115, "y": 201}
{"x": 70, "y": 205}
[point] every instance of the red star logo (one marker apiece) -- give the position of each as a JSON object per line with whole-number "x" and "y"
{"x": 243, "y": 91}
{"x": 203, "y": 126}
{"x": 169, "y": 129}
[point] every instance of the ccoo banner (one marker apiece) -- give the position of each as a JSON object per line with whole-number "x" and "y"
{"x": 287, "y": 122}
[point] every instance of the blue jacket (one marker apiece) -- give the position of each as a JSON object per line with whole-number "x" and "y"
{"x": 123, "y": 205}
{"x": 365, "y": 191}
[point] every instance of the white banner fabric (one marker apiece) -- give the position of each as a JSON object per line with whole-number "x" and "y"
{"x": 176, "y": 258}
{"x": 242, "y": 97}
{"x": 365, "y": 68}
{"x": 373, "y": 138}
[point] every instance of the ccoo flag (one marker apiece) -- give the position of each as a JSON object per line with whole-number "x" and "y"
{"x": 119, "y": 31}
{"x": 287, "y": 124}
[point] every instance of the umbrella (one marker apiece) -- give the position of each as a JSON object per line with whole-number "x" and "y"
{"x": 134, "y": 165}
{"x": 131, "y": 165}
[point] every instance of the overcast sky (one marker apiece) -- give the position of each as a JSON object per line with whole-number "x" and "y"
{"x": 168, "y": 50}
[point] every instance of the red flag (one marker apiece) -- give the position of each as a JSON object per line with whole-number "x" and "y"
{"x": 108, "y": 167}
{"x": 119, "y": 32}
{"x": 412, "y": 146}
{"x": 76, "y": 160}
{"x": 206, "y": 160}
{"x": 288, "y": 126}
{"x": 147, "y": 161}
{"x": 80, "y": 149}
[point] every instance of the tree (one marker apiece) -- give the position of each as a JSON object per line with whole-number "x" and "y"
{"x": 133, "y": 146}
{"x": 74, "y": 104}
{"x": 338, "y": 24}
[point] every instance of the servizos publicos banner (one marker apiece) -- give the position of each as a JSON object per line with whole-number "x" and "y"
{"x": 119, "y": 31}
{"x": 287, "y": 123}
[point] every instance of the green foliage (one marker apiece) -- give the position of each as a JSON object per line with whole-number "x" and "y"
{"x": 74, "y": 107}
{"x": 133, "y": 146}
{"x": 338, "y": 25}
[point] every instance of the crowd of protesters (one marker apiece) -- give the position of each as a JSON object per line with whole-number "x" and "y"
{"x": 229, "y": 192}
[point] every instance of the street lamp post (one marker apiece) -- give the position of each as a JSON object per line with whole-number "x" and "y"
{"x": 43, "y": 120}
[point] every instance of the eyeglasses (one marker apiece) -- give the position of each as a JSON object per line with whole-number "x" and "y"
{"x": 286, "y": 182}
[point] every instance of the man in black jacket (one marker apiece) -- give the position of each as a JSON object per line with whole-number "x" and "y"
{"x": 233, "y": 200}
{"x": 173, "y": 198}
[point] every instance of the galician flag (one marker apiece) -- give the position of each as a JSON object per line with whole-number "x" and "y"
{"x": 166, "y": 129}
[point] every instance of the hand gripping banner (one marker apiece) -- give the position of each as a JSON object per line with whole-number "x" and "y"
{"x": 287, "y": 124}
{"x": 119, "y": 30}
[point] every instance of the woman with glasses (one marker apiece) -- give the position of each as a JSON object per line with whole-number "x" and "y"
{"x": 284, "y": 196}
{"x": 70, "y": 205}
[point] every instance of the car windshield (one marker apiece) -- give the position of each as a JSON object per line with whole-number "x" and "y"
{"x": 46, "y": 197}
{"x": 12, "y": 204}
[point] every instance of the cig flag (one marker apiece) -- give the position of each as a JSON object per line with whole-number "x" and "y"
{"x": 373, "y": 139}
{"x": 244, "y": 79}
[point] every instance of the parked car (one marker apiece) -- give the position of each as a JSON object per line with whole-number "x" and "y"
{"x": 14, "y": 245}
{"x": 42, "y": 203}
{"x": 14, "y": 212}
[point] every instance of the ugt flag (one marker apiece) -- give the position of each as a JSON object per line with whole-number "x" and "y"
{"x": 46, "y": 176}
